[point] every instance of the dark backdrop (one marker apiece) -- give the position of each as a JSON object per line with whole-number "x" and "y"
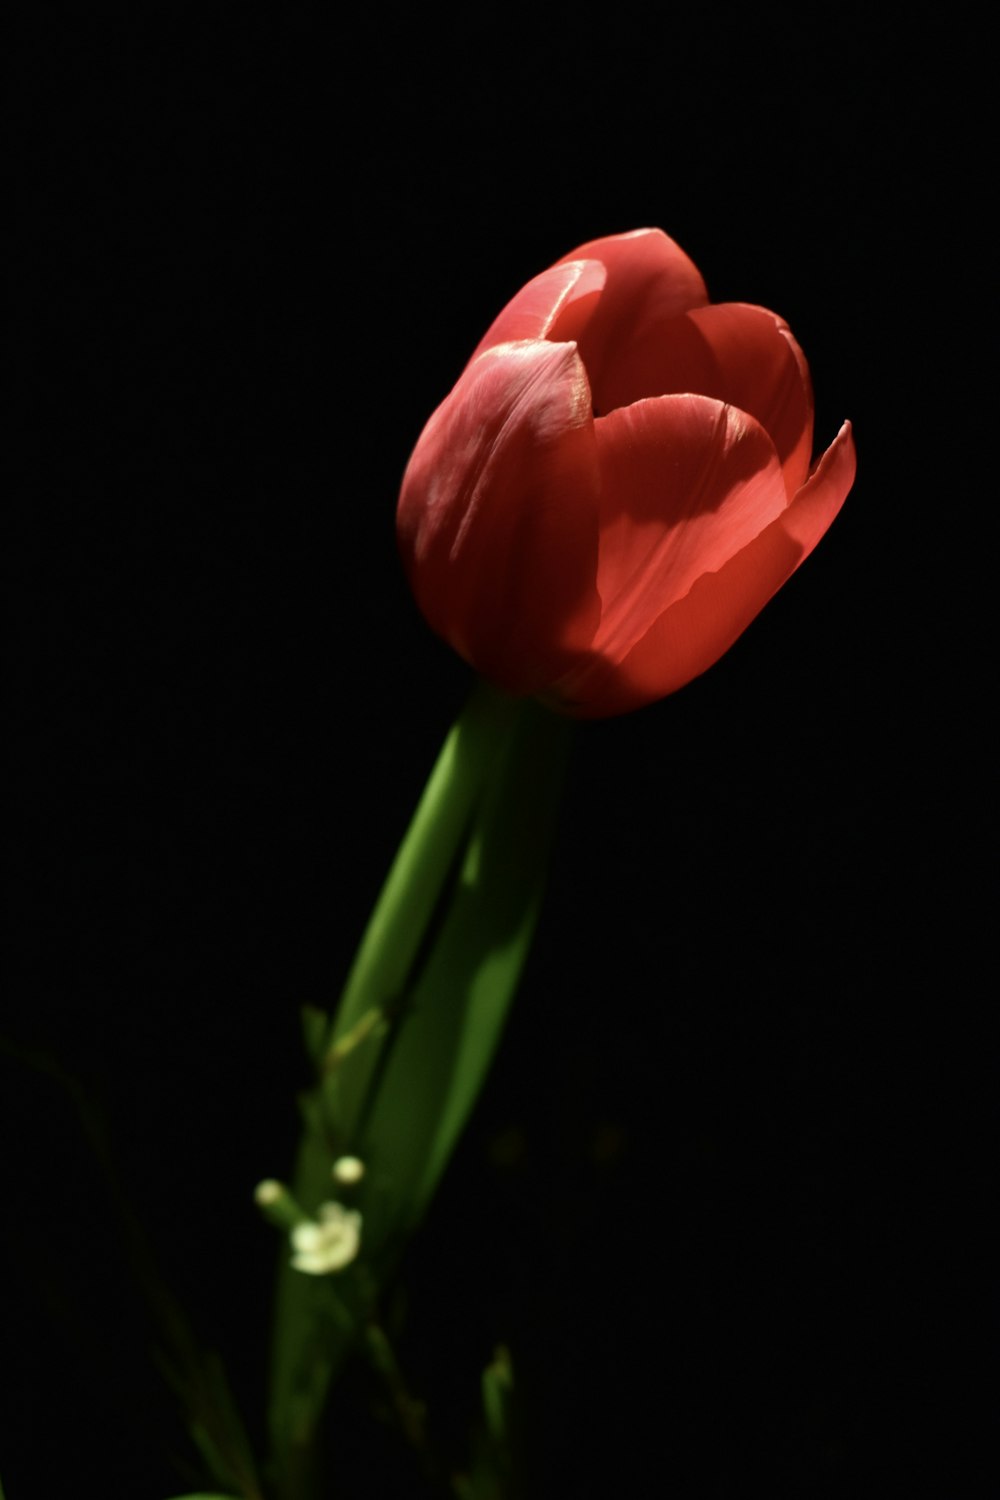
{"x": 254, "y": 250}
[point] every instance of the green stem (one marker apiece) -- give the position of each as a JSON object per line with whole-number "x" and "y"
{"x": 410, "y": 895}
{"x": 411, "y": 1414}
{"x": 355, "y": 1046}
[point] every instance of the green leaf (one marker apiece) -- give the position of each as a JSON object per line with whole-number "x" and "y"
{"x": 437, "y": 969}
{"x": 409, "y": 900}
{"x": 315, "y": 1024}
{"x": 199, "y": 1379}
{"x": 303, "y": 1363}
{"x": 494, "y": 1471}
{"x": 498, "y": 1391}
{"x": 449, "y": 1033}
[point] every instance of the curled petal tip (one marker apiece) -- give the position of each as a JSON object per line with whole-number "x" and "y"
{"x": 556, "y": 305}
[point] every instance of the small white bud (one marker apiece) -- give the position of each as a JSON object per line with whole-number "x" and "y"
{"x": 348, "y": 1170}
{"x": 276, "y": 1204}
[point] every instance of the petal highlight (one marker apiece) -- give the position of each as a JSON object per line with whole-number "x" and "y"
{"x": 557, "y": 305}
{"x": 691, "y": 635}
{"x": 686, "y": 483}
{"x": 497, "y": 520}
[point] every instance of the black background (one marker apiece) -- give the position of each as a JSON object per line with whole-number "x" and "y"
{"x": 708, "y": 1195}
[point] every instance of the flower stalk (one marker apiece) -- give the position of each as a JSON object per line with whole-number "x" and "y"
{"x": 409, "y": 1046}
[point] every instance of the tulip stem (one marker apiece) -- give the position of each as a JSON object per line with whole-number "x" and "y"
{"x": 411, "y": 1042}
{"x": 355, "y": 1049}
{"x": 410, "y": 897}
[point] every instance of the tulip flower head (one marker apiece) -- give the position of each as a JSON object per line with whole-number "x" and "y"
{"x": 618, "y": 483}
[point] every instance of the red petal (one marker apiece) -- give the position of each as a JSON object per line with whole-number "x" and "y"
{"x": 692, "y": 634}
{"x": 737, "y": 353}
{"x": 686, "y": 483}
{"x": 497, "y": 518}
{"x": 650, "y": 279}
{"x": 555, "y": 305}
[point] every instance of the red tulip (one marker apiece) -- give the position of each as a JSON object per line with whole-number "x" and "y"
{"x": 618, "y": 483}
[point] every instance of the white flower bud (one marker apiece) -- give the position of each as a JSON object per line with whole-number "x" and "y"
{"x": 348, "y": 1170}
{"x": 328, "y": 1243}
